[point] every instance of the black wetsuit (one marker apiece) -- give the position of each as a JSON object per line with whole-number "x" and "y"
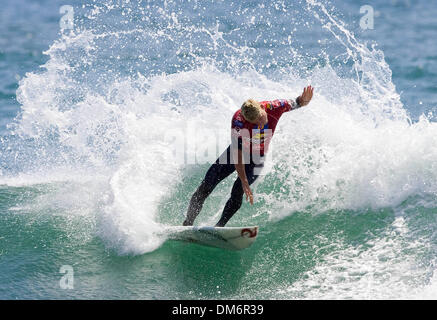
{"x": 216, "y": 173}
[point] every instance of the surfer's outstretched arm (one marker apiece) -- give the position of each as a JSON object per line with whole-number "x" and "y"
{"x": 305, "y": 97}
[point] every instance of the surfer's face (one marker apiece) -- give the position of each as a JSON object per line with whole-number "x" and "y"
{"x": 262, "y": 120}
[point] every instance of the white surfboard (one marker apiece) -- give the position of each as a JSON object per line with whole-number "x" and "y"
{"x": 232, "y": 238}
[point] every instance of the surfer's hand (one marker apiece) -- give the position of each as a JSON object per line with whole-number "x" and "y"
{"x": 306, "y": 96}
{"x": 248, "y": 193}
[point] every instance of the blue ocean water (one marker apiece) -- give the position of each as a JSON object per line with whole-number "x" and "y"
{"x": 88, "y": 178}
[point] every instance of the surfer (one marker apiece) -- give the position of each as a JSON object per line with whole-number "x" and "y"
{"x": 251, "y": 130}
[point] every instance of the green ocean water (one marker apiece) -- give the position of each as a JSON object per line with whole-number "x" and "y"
{"x": 320, "y": 253}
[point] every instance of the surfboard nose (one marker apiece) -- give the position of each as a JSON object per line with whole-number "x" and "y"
{"x": 249, "y": 232}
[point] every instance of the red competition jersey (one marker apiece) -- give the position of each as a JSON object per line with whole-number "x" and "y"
{"x": 256, "y": 139}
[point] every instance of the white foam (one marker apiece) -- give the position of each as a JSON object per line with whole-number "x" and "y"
{"x": 385, "y": 267}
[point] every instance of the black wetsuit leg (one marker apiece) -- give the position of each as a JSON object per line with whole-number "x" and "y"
{"x": 236, "y": 199}
{"x": 216, "y": 173}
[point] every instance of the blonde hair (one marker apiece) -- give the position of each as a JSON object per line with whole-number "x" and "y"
{"x": 251, "y": 110}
